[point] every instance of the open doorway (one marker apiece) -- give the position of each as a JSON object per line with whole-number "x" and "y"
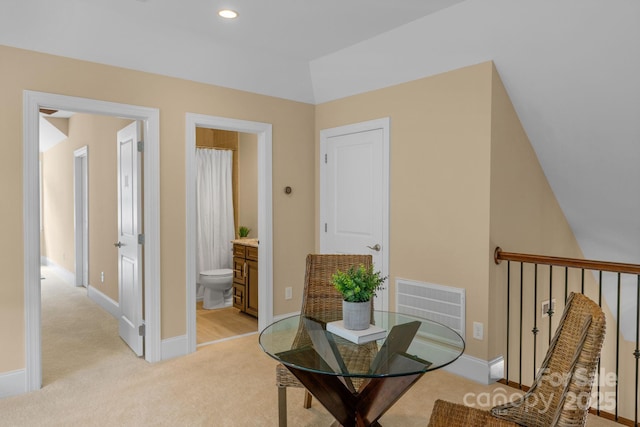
{"x": 263, "y": 249}
{"x": 226, "y": 202}
{"x": 33, "y": 102}
{"x": 65, "y": 202}
{"x": 80, "y": 323}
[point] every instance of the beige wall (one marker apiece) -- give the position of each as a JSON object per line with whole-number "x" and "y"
{"x": 452, "y": 165}
{"x": 248, "y": 183}
{"x": 61, "y": 123}
{"x": 464, "y": 178}
{"x": 98, "y": 133}
{"x": 57, "y": 235}
{"x": 293, "y": 156}
{"x": 440, "y": 153}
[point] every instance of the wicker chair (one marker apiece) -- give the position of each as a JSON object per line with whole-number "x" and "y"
{"x": 322, "y": 301}
{"x": 560, "y": 393}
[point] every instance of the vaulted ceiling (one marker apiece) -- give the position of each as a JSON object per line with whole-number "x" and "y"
{"x": 571, "y": 67}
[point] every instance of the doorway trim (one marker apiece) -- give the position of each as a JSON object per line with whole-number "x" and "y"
{"x": 32, "y": 102}
{"x": 80, "y": 210}
{"x": 265, "y": 214}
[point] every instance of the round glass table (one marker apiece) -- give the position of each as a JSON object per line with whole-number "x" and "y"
{"x": 357, "y": 379}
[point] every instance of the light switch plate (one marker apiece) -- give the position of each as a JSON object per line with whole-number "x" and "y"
{"x": 478, "y": 330}
{"x": 545, "y": 307}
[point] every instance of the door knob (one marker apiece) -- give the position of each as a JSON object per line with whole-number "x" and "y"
{"x": 376, "y": 247}
{"x": 118, "y": 244}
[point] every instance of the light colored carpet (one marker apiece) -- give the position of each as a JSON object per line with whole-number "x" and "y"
{"x": 91, "y": 378}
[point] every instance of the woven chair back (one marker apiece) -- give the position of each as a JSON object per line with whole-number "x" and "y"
{"x": 560, "y": 395}
{"x": 320, "y": 299}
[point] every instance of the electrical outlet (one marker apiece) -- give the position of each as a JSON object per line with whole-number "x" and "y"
{"x": 545, "y": 307}
{"x": 288, "y": 293}
{"x": 102, "y": 276}
{"x": 478, "y": 330}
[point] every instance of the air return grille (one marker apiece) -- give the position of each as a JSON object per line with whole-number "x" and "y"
{"x": 442, "y": 304}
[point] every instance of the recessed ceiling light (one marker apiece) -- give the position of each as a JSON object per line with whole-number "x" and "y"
{"x": 228, "y": 13}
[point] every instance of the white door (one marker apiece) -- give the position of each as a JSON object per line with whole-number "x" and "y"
{"x": 129, "y": 227}
{"x": 354, "y": 194}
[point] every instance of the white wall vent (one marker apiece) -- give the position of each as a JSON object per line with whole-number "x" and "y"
{"x": 443, "y": 304}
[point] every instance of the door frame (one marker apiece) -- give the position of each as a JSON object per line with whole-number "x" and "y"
{"x": 384, "y": 124}
{"x": 80, "y": 209}
{"x": 32, "y": 102}
{"x": 265, "y": 214}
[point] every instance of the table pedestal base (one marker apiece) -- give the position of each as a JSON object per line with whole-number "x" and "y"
{"x": 337, "y": 424}
{"x": 359, "y": 409}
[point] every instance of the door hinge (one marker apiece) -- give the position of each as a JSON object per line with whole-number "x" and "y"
{"x": 325, "y": 158}
{"x": 140, "y": 146}
{"x": 325, "y": 227}
{"x": 142, "y": 330}
{"x": 141, "y": 239}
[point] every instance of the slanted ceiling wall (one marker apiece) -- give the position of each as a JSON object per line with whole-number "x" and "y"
{"x": 525, "y": 215}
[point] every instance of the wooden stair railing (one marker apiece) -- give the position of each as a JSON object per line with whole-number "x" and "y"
{"x": 614, "y": 270}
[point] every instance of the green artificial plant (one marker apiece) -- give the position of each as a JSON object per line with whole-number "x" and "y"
{"x": 243, "y": 231}
{"x": 358, "y": 284}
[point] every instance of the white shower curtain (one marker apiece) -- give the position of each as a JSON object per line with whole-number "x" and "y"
{"x": 215, "y": 227}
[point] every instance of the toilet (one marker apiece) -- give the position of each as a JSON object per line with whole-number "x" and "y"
{"x": 217, "y": 285}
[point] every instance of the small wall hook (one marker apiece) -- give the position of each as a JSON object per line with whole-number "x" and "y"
{"x": 287, "y": 190}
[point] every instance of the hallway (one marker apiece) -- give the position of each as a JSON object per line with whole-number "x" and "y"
{"x": 77, "y": 334}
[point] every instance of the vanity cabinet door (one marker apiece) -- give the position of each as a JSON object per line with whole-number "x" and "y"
{"x": 239, "y": 272}
{"x": 245, "y": 278}
{"x": 251, "y": 253}
{"x": 251, "y": 296}
{"x": 238, "y": 296}
{"x": 239, "y": 278}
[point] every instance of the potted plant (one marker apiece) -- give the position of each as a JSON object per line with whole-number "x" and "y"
{"x": 243, "y": 231}
{"x": 357, "y": 286}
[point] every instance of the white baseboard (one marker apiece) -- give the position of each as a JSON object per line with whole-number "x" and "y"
{"x": 283, "y": 316}
{"x": 104, "y": 301}
{"x": 174, "y": 347}
{"x": 482, "y": 371}
{"x": 64, "y": 274}
{"x": 13, "y": 383}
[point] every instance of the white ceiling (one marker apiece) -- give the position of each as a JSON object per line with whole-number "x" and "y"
{"x": 571, "y": 68}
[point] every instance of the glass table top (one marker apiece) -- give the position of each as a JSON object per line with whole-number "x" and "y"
{"x": 411, "y": 345}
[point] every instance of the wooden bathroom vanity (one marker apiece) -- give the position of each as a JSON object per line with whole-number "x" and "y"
{"x": 245, "y": 275}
